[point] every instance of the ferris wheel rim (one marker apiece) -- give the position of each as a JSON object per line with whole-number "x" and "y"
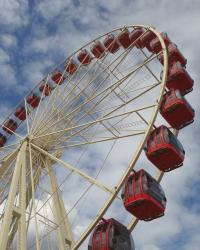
{"x": 140, "y": 147}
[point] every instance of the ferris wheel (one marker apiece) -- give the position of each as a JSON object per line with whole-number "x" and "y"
{"x": 71, "y": 152}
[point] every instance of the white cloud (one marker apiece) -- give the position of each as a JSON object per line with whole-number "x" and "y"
{"x": 50, "y": 9}
{"x": 13, "y": 13}
{"x": 8, "y": 40}
{"x": 4, "y": 57}
{"x": 7, "y": 73}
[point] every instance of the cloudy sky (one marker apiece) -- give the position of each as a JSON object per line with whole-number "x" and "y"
{"x": 36, "y": 35}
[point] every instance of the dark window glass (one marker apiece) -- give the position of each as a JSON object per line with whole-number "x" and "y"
{"x": 155, "y": 190}
{"x": 130, "y": 186}
{"x": 151, "y": 140}
{"x": 103, "y": 239}
{"x": 97, "y": 239}
{"x": 178, "y": 94}
{"x": 111, "y": 237}
{"x": 158, "y": 136}
{"x": 166, "y": 135}
{"x": 137, "y": 186}
{"x": 144, "y": 183}
{"x": 175, "y": 142}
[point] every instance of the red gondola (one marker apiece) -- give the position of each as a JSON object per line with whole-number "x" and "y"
{"x": 124, "y": 38}
{"x": 111, "y": 235}
{"x": 20, "y": 113}
{"x": 164, "y": 150}
{"x": 57, "y": 77}
{"x": 33, "y": 100}
{"x": 71, "y": 67}
{"x": 3, "y": 140}
{"x": 155, "y": 44}
{"x": 111, "y": 43}
{"x": 45, "y": 88}
{"x": 174, "y": 55}
{"x": 147, "y": 38}
{"x": 178, "y": 78}
{"x": 134, "y": 35}
{"x": 98, "y": 50}
{"x": 84, "y": 57}
{"x": 176, "y": 110}
{"x": 143, "y": 196}
{"x": 10, "y": 126}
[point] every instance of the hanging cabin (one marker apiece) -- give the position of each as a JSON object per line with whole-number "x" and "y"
{"x": 135, "y": 37}
{"x": 164, "y": 150}
{"x": 147, "y": 38}
{"x": 155, "y": 45}
{"x": 98, "y": 49}
{"x": 45, "y": 88}
{"x": 178, "y": 78}
{"x": 176, "y": 110}
{"x": 111, "y": 43}
{"x": 124, "y": 38}
{"x": 143, "y": 196}
{"x": 33, "y": 100}
{"x": 58, "y": 77}
{"x": 10, "y": 126}
{"x": 174, "y": 55}
{"x": 111, "y": 235}
{"x": 3, "y": 140}
{"x": 71, "y": 66}
{"x": 84, "y": 57}
{"x": 20, "y": 113}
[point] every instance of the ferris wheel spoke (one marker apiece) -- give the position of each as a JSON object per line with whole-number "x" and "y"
{"x": 96, "y": 121}
{"x": 73, "y": 89}
{"x": 147, "y": 67}
{"x": 75, "y": 170}
{"x": 102, "y": 140}
{"x": 106, "y": 91}
{"x": 116, "y": 109}
{"x": 76, "y": 96}
{"x": 14, "y": 133}
{"x": 34, "y": 119}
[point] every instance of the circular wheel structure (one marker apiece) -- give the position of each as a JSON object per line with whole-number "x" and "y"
{"x": 69, "y": 145}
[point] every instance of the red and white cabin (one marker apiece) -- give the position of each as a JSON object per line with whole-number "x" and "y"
{"x": 155, "y": 45}
{"x": 176, "y": 110}
{"x": 3, "y": 140}
{"x": 147, "y": 38}
{"x": 124, "y": 38}
{"x": 111, "y": 43}
{"x": 84, "y": 57}
{"x": 164, "y": 150}
{"x": 33, "y": 100}
{"x": 45, "y": 88}
{"x": 10, "y": 126}
{"x": 20, "y": 113}
{"x": 135, "y": 37}
{"x": 143, "y": 196}
{"x": 97, "y": 49}
{"x": 174, "y": 55}
{"x": 71, "y": 66}
{"x": 178, "y": 78}
{"x": 58, "y": 77}
{"x": 111, "y": 235}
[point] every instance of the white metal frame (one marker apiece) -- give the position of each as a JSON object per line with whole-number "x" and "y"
{"x": 29, "y": 150}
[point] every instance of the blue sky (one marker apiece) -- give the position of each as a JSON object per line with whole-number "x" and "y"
{"x": 36, "y": 35}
